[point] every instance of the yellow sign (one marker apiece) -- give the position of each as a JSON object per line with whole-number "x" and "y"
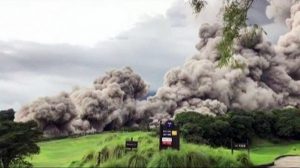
{"x": 174, "y": 133}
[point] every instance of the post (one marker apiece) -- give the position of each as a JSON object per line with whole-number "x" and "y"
{"x": 131, "y": 141}
{"x": 248, "y": 149}
{"x": 231, "y": 144}
{"x": 160, "y": 132}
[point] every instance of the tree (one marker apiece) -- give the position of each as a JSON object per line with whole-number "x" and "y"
{"x": 287, "y": 124}
{"x": 219, "y": 133}
{"x": 263, "y": 124}
{"x": 242, "y": 126}
{"x": 234, "y": 19}
{"x": 17, "y": 140}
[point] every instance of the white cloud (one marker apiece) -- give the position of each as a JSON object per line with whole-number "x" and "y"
{"x": 79, "y": 22}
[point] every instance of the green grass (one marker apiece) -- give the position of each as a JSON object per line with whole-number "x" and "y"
{"x": 264, "y": 152}
{"x": 61, "y": 153}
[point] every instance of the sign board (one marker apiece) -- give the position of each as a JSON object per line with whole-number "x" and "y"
{"x": 130, "y": 144}
{"x": 240, "y": 146}
{"x": 169, "y": 136}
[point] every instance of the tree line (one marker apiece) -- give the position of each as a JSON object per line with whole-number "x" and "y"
{"x": 239, "y": 126}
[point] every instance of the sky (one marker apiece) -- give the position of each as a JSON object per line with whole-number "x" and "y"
{"x": 49, "y": 46}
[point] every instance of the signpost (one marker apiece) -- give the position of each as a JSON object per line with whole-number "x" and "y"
{"x": 130, "y": 144}
{"x": 240, "y": 146}
{"x": 169, "y": 136}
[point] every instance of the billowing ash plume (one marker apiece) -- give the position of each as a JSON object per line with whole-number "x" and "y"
{"x": 267, "y": 77}
{"x": 53, "y": 114}
{"x": 109, "y": 104}
{"x": 279, "y": 10}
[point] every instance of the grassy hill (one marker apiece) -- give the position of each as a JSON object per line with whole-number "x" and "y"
{"x": 84, "y": 151}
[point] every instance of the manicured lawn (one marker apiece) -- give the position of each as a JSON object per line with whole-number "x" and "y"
{"x": 63, "y": 152}
{"x": 60, "y": 153}
{"x": 265, "y": 152}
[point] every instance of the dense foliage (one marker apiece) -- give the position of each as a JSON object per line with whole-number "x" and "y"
{"x": 239, "y": 126}
{"x": 17, "y": 140}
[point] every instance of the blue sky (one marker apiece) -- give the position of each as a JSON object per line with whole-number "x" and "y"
{"x": 49, "y": 46}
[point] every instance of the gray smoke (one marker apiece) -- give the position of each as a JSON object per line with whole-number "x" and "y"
{"x": 268, "y": 76}
{"x": 109, "y": 104}
{"x": 53, "y": 114}
{"x": 263, "y": 76}
{"x": 279, "y": 10}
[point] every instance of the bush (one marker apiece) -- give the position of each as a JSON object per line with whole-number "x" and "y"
{"x": 114, "y": 164}
{"x": 103, "y": 155}
{"x": 137, "y": 161}
{"x": 244, "y": 160}
{"x": 118, "y": 151}
{"x": 194, "y": 160}
{"x": 224, "y": 162}
{"x": 20, "y": 164}
{"x": 167, "y": 159}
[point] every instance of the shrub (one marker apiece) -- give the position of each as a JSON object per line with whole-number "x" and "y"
{"x": 219, "y": 160}
{"x": 89, "y": 156}
{"x": 87, "y": 159}
{"x": 244, "y": 160}
{"x": 149, "y": 152}
{"x": 103, "y": 155}
{"x": 194, "y": 160}
{"x": 111, "y": 137}
{"x": 167, "y": 159}
{"x": 114, "y": 164}
{"x": 118, "y": 151}
{"x": 75, "y": 164}
{"x": 137, "y": 160}
{"x": 20, "y": 164}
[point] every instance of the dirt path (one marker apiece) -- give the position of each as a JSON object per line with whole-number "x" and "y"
{"x": 289, "y": 161}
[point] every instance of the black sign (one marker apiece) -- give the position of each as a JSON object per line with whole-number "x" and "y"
{"x": 240, "y": 146}
{"x": 130, "y": 144}
{"x": 169, "y": 136}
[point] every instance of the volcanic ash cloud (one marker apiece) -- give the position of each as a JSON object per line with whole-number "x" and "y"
{"x": 53, "y": 114}
{"x": 265, "y": 77}
{"x": 109, "y": 104}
